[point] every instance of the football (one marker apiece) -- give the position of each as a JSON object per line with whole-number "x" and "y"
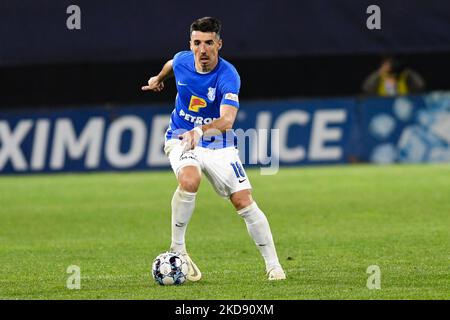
{"x": 169, "y": 268}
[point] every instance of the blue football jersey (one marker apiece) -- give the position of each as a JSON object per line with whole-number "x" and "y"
{"x": 200, "y": 96}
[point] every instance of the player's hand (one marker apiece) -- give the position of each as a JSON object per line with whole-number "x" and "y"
{"x": 190, "y": 139}
{"x": 154, "y": 84}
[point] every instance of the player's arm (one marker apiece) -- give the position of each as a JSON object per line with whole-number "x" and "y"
{"x": 223, "y": 123}
{"x": 156, "y": 83}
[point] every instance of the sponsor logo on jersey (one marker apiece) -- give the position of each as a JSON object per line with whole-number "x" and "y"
{"x": 197, "y": 103}
{"x": 211, "y": 93}
{"x": 195, "y": 120}
{"x": 232, "y": 96}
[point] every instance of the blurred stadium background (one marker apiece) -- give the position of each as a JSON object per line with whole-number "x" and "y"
{"x": 57, "y": 82}
{"x": 71, "y": 102}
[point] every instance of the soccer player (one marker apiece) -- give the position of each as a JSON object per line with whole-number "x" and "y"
{"x": 200, "y": 139}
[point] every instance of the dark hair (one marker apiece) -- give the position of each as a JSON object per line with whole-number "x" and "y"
{"x": 206, "y": 24}
{"x": 397, "y": 65}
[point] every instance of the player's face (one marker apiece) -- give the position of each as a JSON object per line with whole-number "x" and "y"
{"x": 205, "y": 46}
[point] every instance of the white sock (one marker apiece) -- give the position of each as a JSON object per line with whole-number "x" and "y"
{"x": 259, "y": 229}
{"x": 183, "y": 204}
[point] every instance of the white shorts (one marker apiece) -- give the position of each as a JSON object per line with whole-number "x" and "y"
{"x": 222, "y": 167}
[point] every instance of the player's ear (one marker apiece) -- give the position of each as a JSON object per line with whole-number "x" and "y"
{"x": 220, "y": 44}
{"x": 190, "y": 45}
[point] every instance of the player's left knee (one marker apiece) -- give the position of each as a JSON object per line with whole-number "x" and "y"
{"x": 241, "y": 199}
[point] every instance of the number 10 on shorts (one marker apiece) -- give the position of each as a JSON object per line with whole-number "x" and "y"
{"x": 238, "y": 170}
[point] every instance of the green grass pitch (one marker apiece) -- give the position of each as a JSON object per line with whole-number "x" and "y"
{"x": 329, "y": 224}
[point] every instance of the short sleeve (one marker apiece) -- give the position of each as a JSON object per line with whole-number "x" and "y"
{"x": 175, "y": 58}
{"x": 230, "y": 84}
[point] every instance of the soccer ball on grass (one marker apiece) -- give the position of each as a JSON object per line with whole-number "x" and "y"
{"x": 170, "y": 268}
